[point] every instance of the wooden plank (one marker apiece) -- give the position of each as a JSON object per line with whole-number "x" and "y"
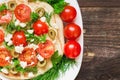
{"x": 100, "y": 3}
{"x": 102, "y": 38}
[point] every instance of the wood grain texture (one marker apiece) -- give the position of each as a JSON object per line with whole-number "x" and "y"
{"x": 101, "y": 20}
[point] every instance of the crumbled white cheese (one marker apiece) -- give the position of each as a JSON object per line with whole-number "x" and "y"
{"x": 31, "y": 40}
{"x": 7, "y": 58}
{"x": 22, "y": 25}
{"x": 8, "y": 37}
{"x": 17, "y": 22}
{"x": 10, "y": 43}
{"x": 40, "y": 58}
{"x": 4, "y": 70}
{"x": 43, "y": 19}
{"x": 30, "y": 31}
{"x": 34, "y": 46}
{"x": 30, "y": 74}
{"x": 19, "y": 49}
{"x": 23, "y": 64}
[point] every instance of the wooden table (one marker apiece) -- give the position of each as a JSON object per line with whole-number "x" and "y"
{"x": 101, "y": 20}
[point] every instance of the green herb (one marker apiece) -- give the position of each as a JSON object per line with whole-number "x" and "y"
{"x": 35, "y": 39}
{"x": 56, "y": 58}
{"x": 58, "y": 5}
{"x": 34, "y": 17}
{"x": 1, "y": 68}
{"x": 16, "y": 62}
{"x": 3, "y": 7}
{"x": 54, "y": 72}
{"x": 8, "y": 47}
{"x": 10, "y": 27}
{"x": 48, "y": 17}
{"x": 31, "y": 69}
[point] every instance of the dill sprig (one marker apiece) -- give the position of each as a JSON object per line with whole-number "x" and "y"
{"x": 55, "y": 71}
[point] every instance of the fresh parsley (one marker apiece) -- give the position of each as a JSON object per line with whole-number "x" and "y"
{"x": 3, "y": 7}
{"x": 48, "y": 17}
{"x": 32, "y": 38}
{"x": 56, "y": 58}
{"x": 58, "y": 5}
{"x": 54, "y": 72}
{"x": 8, "y": 47}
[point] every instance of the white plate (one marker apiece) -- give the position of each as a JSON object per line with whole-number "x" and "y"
{"x": 73, "y": 71}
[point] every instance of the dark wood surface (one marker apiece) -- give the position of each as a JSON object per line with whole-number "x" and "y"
{"x": 101, "y": 20}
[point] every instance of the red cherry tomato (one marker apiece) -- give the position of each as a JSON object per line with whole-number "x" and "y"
{"x": 40, "y": 27}
{"x": 19, "y": 38}
{"x": 68, "y": 14}
{"x": 46, "y": 49}
{"x": 5, "y": 16}
{"x": 72, "y": 31}
{"x": 22, "y": 12}
{"x": 1, "y": 36}
{"x": 29, "y": 55}
{"x": 72, "y": 49}
{"x": 5, "y": 57}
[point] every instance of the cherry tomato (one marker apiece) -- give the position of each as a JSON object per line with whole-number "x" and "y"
{"x": 19, "y": 38}
{"x": 46, "y": 49}
{"x": 68, "y": 14}
{"x": 72, "y": 31}
{"x": 5, "y": 57}
{"x": 40, "y": 27}
{"x": 22, "y": 12}
{"x": 72, "y": 49}
{"x": 5, "y": 16}
{"x": 1, "y": 36}
{"x": 29, "y": 55}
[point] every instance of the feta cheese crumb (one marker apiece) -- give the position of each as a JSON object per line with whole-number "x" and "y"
{"x": 19, "y": 49}
{"x": 23, "y": 64}
{"x": 30, "y": 74}
{"x": 8, "y": 37}
{"x": 4, "y": 70}
{"x": 22, "y": 25}
{"x": 43, "y": 19}
{"x": 10, "y": 43}
{"x": 34, "y": 46}
{"x": 17, "y": 22}
{"x": 40, "y": 58}
{"x": 30, "y": 31}
{"x": 7, "y": 58}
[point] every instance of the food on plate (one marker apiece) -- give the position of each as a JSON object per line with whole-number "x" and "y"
{"x": 72, "y": 31}
{"x": 68, "y": 14}
{"x": 32, "y": 39}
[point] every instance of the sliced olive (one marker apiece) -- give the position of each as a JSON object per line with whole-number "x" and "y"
{"x": 52, "y": 34}
{"x": 14, "y": 54}
{"x": 40, "y": 11}
{"x": 42, "y": 63}
{"x": 12, "y": 5}
{"x": 13, "y": 71}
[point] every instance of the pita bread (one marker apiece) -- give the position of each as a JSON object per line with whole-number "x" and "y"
{"x": 56, "y": 24}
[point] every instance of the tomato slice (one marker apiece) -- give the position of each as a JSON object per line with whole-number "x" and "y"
{"x": 46, "y": 49}
{"x": 22, "y": 12}
{"x": 40, "y": 27}
{"x": 5, "y": 16}
{"x": 5, "y": 57}
{"x": 29, "y": 55}
{"x": 19, "y": 38}
{"x": 1, "y": 36}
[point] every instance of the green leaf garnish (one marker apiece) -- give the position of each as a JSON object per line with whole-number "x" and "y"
{"x": 36, "y": 39}
{"x": 3, "y": 7}
{"x": 8, "y": 47}
{"x": 56, "y": 58}
{"x": 54, "y": 72}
